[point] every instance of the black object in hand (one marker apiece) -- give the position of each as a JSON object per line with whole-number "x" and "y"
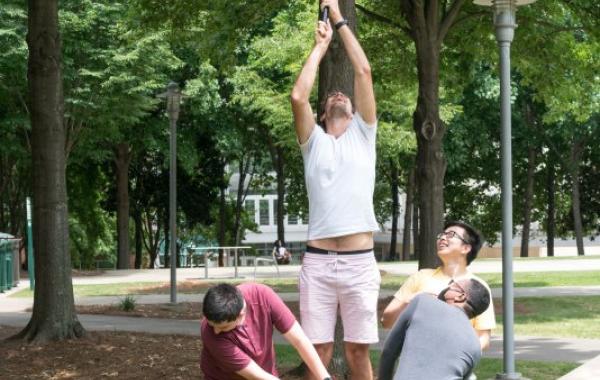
{"x": 325, "y": 14}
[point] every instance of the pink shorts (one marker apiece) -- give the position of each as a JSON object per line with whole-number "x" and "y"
{"x": 348, "y": 281}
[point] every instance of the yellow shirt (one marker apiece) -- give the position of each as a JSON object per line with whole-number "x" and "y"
{"x": 434, "y": 281}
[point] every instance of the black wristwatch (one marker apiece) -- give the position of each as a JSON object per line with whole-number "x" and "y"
{"x": 338, "y": 25}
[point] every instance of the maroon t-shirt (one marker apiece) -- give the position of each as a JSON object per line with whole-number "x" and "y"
{"x": 225, "y": 353}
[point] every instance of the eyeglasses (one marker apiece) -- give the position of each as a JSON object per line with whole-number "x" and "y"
{"x": 451, "y": 234}
{"x": 463, "y": 291}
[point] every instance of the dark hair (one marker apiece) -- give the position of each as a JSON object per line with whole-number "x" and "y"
{"x": 473, "y": 238}
{"x": 478, "y": 298}
{"x": 323, "y": 104}
{"x": 222, "y": 303}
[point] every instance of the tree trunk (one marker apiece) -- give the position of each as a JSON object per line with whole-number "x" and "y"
{"x": 528, "y": 202}
{"x": 167, "y": 241}
{"x": 152, "y": 242}
{"x": 278, "y": 163}
{"x": 222, "y": 219}
{"x": 429, "y": 23}
{"x": 395, "y": 210}
{"x": 137, "y": 217}
{"x": 576, "y": 150}
{"x": 336, "y": 73}
{"x": 244, "y": 167}
{"x": 415, "y": 223}
{"x": 408, "y": 210}
{"x": 122, "y": 160}
{"x": 431, "y": 163}
{"x": 551, "y": 222}
{"x": 53, "y": 317}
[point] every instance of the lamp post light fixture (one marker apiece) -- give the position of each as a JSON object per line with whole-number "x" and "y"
{"x": 504, "y": 22}
{"x": 173, "y": 96}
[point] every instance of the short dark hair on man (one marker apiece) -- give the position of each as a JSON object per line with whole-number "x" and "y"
{"x": 473, "y": 237}
{"x": 222, "y": 303}
{"x": 478, "y": 298}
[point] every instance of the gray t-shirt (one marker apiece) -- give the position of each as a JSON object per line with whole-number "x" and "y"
{"x": 431, "y": 340}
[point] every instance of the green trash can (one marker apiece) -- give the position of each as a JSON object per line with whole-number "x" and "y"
{"x": 3, "y": 250}
{"x": 9, "y": 261}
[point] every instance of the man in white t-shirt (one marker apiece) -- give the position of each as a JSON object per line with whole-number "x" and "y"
{"x": 339, "y": 267}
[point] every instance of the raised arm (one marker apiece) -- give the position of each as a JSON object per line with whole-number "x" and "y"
{"x": 306, "y": 350}
{"x": 364, "y": 97}
{"x": 304, "y": 120}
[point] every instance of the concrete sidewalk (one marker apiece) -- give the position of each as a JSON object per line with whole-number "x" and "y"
{"x": 526, "y": 348}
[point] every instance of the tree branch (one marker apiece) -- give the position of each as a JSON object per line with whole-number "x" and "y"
{"x": 383, "y": 19}
{"x": 448, "y": 19}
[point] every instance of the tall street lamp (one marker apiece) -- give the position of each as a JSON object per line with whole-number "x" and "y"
{"x": 504, "y": 22}
{"x": 173, "y": 96}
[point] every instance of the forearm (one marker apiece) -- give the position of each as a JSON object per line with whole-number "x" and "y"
{"x": 307, "y": 351}
{"x": 306, "y": 79}
{"x": 484, "y": 338}
{"x": 355, "y": 53}
{"x": 254, "y": 372}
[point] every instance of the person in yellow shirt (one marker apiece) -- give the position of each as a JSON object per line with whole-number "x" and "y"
{"x": 457, "y": 247}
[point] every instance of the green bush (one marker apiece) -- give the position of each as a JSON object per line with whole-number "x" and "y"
{"x": 128, "y": 303}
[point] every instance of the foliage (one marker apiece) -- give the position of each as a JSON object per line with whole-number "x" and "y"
{"x": 127, "y": 303}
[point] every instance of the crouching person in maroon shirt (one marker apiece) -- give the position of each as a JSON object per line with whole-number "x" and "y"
{"x": 237, "y": 334}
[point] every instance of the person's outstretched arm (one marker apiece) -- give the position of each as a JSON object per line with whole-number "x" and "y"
{"x": 304, "y": 120}
{"x": 253, "y": 372}
{"x": 364, "y": 97}
{"x": 393, "y": 344}
{"x": 306, "y": 350}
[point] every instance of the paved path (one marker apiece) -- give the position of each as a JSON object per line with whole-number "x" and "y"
{"x": 526, "y": 348}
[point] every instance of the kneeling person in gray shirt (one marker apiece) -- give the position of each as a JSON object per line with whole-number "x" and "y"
{"x": 433, "y": 338}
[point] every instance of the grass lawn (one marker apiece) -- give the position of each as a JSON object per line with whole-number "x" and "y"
{"x": 542, "y": 279}
{"x": 567, "y": 317}
{"x": 290, "y": 285}
{"x": 487, "y": 368}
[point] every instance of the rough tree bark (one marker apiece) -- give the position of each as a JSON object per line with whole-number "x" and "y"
{"x": 53, "y": 317}
{"x": 575, "y": 158}
{"x": 122, "y": 161}
{"x": 244, "y": 168}
{"x": 415, "y": 220}
{"x": 222, "y": 217}
{"x": 137, "y": 217}
{"x": 278, "y": 163}
{"x": 408, "y": 210}
{"x": 395, "y": 210}
{"x": 528, "y": 201}
{"x": 429, "y": 23}
{"x": 551, "y": 211}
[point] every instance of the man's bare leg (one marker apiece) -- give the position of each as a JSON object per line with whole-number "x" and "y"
{"x": 325, "y": 351}
{"x": 357, "y": 355}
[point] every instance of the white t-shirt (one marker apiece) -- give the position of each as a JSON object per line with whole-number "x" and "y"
{"x": 340, "y": 180}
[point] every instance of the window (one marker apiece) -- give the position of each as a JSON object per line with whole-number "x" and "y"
{"x": 263, "y": 212}
{"x": 250, "y": 209}
{"x": 293, "y": 219}
{"x": 275, "y": 211}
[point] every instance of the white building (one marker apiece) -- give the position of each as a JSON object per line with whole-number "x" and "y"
{"x": 264, "y": 208}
